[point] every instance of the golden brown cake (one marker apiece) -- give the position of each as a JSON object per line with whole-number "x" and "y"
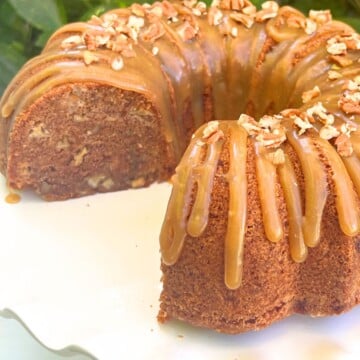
{"x": 264, "y": 214}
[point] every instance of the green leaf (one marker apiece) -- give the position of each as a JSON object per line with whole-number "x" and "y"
{"x": 337, "y": 7}
{"x": 42, "y": 39}
{"x": 43, "y": 15}
{"x": 258, "y": 3}
{"x": 12, "y": 27}
{"x": 354, "y": 22}
{"x": 11, "y": 59}
{"x": 355, "y": 4}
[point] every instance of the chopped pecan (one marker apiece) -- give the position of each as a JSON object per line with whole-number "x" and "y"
{"x": 90, "y": 57}
{"x": 344, "y": 145}
{"x": 302, "y": 123}
{"x": 310, "y": 94}
{"x": 156, "y": 9}
{"x": 169, "y": 10}
{"x": 334, "y": 47}
{"x": 349, "y": 102}
{"x": 153, "y": 32}
{"x": 310, "y": 26}
{"x": 277, "y": 157}
{"x": 117, "y": 63}
{"x": 186, "y": 31}
{"x": 320, "y": 16}
{"x": 351, "y": 41}
{"x": 328, "y": 132}
{"x": 189, "y": 3}
{"x": 249, "y": 124}
{"x": 321, "y": 113}
{"x": 71, "y": 42}
{"x": 137, "y": 10}
{"x": 215, "y": 16}
{"x": 270, "y": 122}
{"x": 271, "y": 140}
{"x": 244, "y": 19}
{"x": 211, "y": 133}
{"x": 341, "y": 60}
{"x": 334, "y": 75}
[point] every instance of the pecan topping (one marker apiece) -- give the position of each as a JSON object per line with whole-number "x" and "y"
{"x": 186, "y": 31}
{"x": 341, "y": 60}
{"x": 90, "y": 57}
{"x": 117, "y": 63}
{"x": 138, "y": 10}
{"x": 328, "y": 132}
{"x": 302, "y": 122}
{"x": 249, "y": 9}
{"x": 277, "y": 157}
{"x": 269, "y": 131}
{"x": 232, "y": 4}
{"x": 244, "y": 19}
{"x": 71, "y": 42}
{"x": 136, "y": 22}
{"x": 334, "y": 75}
{"x": 310, "y": 26}
{"x": 335, "y": 47}
{"x": 270, "y": 122}
{"x": 351, "y": 85}
{"x": 344, "y": 145}
{"x": 351, "y": 41}
{"x": 211, "y": 127}
{"x": 349, "y": 102}
{"x": 271, "y": 140}
{"x": 310, "y": 94}
{"x": 156, "y": 9}
{"x": 320, "y": 112}
{"x": 153, "y": 32}
{"x": 211, "y": 134}
{"x": 320, "y": 16}
{"x": 215, "y": 16}
{"x": 249, "y": 124}
{"x": 169, "y": 10}
{"x": 269, "y": 10}
{"x": 234, "y": 31}
{"x": 189, "y": 3}
{"x": 296, "y": 21}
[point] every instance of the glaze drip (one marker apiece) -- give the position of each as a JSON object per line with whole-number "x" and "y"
{"x": 236, "y": 228}
{"x": 173, "y": 231}
{"x": 266, "y": 177}
{"x": 316, "y": 191}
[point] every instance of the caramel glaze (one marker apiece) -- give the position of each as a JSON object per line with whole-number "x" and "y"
{"x": 304, "y": 224}
{"x": 12, "y": 198}
{"x": 222, "y": 67}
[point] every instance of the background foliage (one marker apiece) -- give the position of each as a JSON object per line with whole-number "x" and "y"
{"x": 25, "y": 25}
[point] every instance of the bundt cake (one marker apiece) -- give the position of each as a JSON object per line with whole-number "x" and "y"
{"x": 263, "y": 219}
